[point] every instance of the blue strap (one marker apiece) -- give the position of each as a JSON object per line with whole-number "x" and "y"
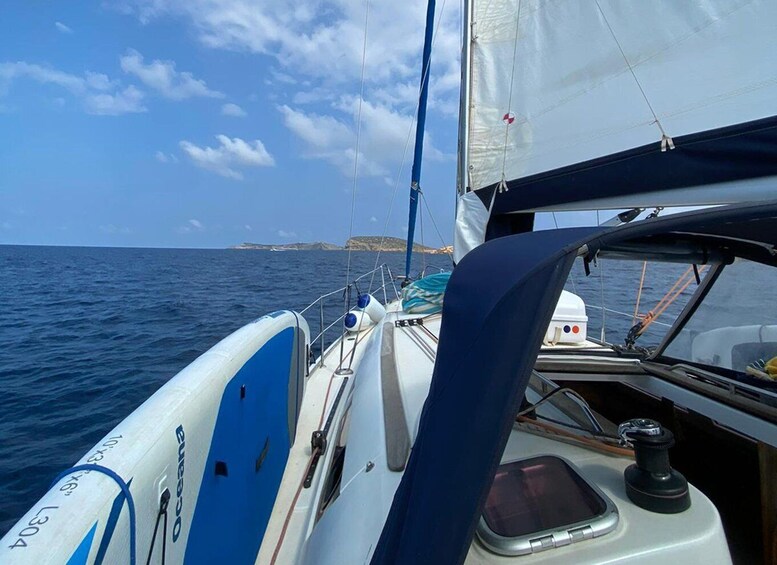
{"x": 122, "y": 485}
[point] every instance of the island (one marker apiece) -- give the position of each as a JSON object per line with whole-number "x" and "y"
{"x": 360, "y": 243}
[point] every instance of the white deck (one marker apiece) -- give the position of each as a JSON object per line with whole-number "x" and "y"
{"x": 348, "y": 530}
{"x": 693, "y": 536}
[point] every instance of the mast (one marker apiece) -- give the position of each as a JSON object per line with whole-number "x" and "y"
{"x": 415, "y": 176}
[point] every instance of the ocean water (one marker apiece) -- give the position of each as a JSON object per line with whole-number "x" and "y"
{"x": 87, "y": 334}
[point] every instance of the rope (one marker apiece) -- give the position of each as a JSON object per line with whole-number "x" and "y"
{"x": 682, "y": 283}
{"x": 291, "y": 508}
{"x": 163, "y": 502}
{"x": 639, "y": 293}
{"x": 666, "y": 141}
{"x": 124, "y": 488}
{"x": 667, "y": 300}
{"x": 592, "y": 443}
{"x": 313, "y": 454}
{"x": 620, "y": 313}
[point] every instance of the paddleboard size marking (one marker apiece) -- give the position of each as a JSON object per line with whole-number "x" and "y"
{"x": 181, "y": 437}
{"x": 106, "y": 446}
{"x": 32, "y": 527}
{"x": 72, "y": 482}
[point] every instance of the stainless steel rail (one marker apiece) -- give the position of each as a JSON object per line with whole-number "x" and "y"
{"x": 387, "y": 283}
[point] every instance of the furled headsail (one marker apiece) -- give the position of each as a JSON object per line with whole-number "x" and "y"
{"x": 588, "y": 104}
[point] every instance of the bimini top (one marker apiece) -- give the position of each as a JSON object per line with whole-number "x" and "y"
{"x": 504, "y": 293}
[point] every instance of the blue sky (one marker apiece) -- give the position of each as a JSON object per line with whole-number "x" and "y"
{"x": 205, "y": 123}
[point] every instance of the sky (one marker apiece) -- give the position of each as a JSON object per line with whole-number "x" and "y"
{"x": 206, "y": 123}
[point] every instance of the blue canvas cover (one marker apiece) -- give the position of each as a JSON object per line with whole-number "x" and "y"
{"x": 495, "y": 296}
{"x": 497, "y": 306}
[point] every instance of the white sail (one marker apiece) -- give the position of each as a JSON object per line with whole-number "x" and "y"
{"x": 550, "y": 84}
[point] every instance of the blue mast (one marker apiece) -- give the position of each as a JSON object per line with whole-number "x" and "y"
{"x": 415, "y": 176}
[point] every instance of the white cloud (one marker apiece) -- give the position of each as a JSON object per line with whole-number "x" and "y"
{"x": 6, "y": 225}
{"x": 248, "y": 227}
{"x": 62, "y": 28}
{"x": 316, "y": 47}
{"x": 231, "y": 153}
{"x": 44, "y": 75}
{"x": 190, "y": 226}
{"x": 233, "y": 110}
{"x": 279, "y": 77}
{"x": 373, "y": 219}
{"x": 120, "y": 102}
{"x": 312, "y": 39}
{"x": 383, "y": 136}
{"x": 100, "y": 94}
{"x": 163, "y": 157}
{"x": 286, "y": 234}
{"x": 162, "y": 77}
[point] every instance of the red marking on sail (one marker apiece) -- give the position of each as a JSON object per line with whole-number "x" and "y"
{"x": 508, "y": 118}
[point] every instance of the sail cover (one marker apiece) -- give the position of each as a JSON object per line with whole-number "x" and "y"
{"x": 583, "y": 104}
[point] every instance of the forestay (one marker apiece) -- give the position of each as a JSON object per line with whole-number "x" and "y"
{"x": 582, "y": 104}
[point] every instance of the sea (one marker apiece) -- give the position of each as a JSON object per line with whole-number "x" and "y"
{"x": 87, "y": 334}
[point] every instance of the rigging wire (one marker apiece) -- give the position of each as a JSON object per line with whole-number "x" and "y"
{"x": 665, "y": 139}
{"x": 358, "y": 139}
{"x": 431, "y": 217}
{"x": 407, "y": 145}
{"x": 571, "y": 273}
{"x": 423, "y": 243}
{"x": 347, "y": 293}
{"x": 601, "y": 286}
{"x": 508, "y": 117}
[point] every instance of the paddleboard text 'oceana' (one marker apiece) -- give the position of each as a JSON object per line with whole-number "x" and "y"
{"x": 179, "y": 488}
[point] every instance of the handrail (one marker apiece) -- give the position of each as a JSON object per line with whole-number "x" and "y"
{"x": 326, "y": 329}
{"x": 343, "y": 288}
{"x": 320, "y": 338}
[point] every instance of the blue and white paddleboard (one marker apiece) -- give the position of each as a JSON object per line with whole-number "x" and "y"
{"x": 201, "y": 461}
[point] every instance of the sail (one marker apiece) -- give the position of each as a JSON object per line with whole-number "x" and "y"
{"x": 583, "y": 104}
